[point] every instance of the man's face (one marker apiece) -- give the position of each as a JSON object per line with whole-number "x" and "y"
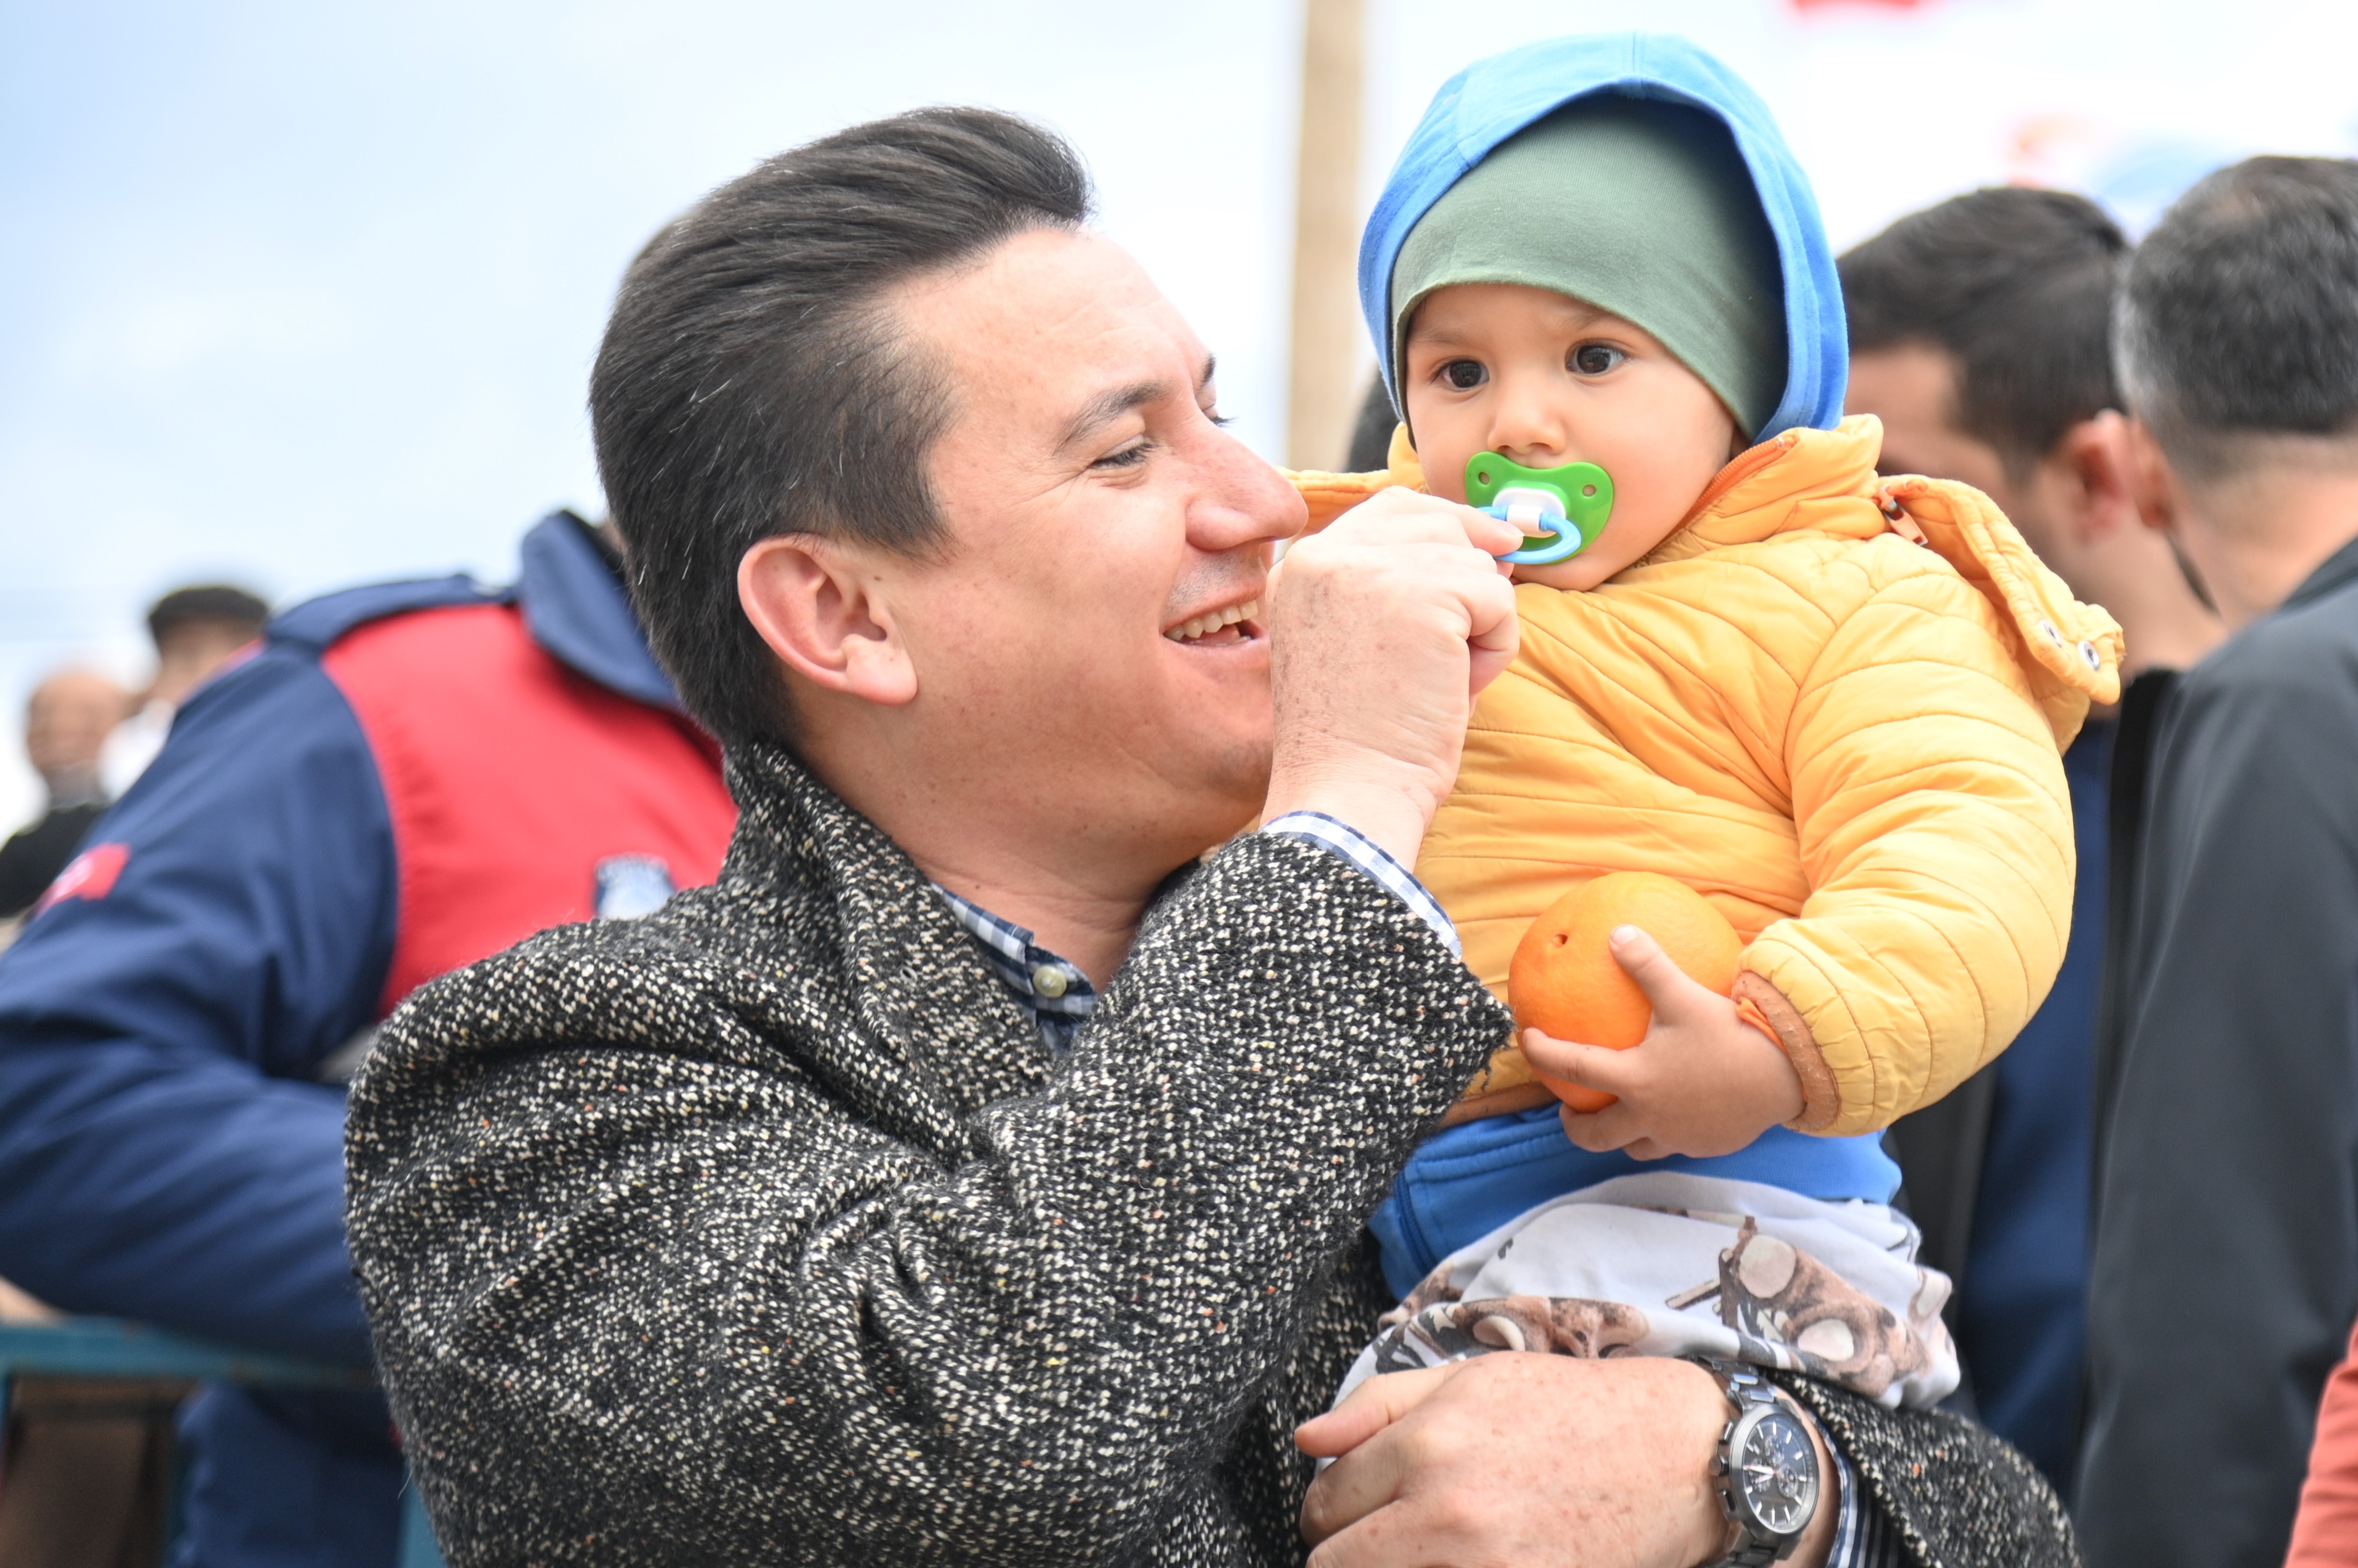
{"x": 1913, "y": 390}
{"x": 1090, "y": 642}
{"x": 67, "y": 722}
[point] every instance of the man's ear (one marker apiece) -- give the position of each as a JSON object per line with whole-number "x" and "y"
{"x": 823, "y": 613}
{"x": 2152, "y": 486}
{"x": 2103, "y": 493}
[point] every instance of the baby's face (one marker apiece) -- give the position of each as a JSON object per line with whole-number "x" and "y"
{"x": 1546, "y": 380}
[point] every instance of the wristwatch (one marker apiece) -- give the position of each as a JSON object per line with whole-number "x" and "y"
{"x": 1766, "y": 1475}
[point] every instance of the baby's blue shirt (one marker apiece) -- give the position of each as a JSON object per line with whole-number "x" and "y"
{"x": 1469, "y": 1179}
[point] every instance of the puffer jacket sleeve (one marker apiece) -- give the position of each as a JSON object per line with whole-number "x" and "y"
{"x": 1329, "y": 495}
{"x": 1934, "y": 829}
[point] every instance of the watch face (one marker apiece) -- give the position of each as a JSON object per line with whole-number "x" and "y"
{"x": 1778, "y": 1466}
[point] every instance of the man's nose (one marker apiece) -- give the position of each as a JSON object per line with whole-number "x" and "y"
{"x": 1242, "y": 500}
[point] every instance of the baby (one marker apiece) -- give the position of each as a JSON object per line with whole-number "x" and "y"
{"x": 1831, "y": 703}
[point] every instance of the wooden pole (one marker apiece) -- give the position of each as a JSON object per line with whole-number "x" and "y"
{"x": 1324, "y": 393}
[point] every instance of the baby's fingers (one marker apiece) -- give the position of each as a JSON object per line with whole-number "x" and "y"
{"x": 1668, "y": 990}
{"x": 1603, "y": 1131}
{"x": 1590, "y": 1067}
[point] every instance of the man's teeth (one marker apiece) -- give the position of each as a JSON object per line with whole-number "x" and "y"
{"x": 1195, "y": 626}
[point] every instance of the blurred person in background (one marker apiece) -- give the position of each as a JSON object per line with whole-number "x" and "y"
{"x": 67, "y": 721}
{"x": 2224, "y": 1274}
{"x": 400, "y": 780}
{"x": 196, "y": 630}
{"x": 1371, "y": 431}
{"x": 1980, "y": 335}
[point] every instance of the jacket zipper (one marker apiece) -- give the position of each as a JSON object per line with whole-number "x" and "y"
{"x": 1741, "y": 468}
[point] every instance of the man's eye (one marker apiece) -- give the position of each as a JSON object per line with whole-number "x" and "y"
{"x": 1128, "y": 457}
{"x": 1464, "y": 374}
{"x": 1595, "y": 359}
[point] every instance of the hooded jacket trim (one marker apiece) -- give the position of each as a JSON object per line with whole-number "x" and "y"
{"x": 1491, "y": 100}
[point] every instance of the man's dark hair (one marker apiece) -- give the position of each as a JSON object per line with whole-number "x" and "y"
{"x": 2017, "y": 286}
{"x": 750, "y": 385}
{"x": 2239, "y": 317}
{"x": 214, "y": 604}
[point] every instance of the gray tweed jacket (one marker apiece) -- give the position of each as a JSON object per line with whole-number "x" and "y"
{"x": 765, "y": 1230}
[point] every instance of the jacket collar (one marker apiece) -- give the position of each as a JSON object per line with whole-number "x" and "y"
{"x": 942, "y": 1036}
{"x": 1822, "y": 481}
{"x": 2337, "y": 570}
{"x": 575, "y": 608}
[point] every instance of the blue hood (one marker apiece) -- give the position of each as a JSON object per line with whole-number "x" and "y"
{"x": 1491, "y": 100}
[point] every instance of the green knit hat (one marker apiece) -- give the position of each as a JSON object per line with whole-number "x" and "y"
{"x": 1638, "y": 207}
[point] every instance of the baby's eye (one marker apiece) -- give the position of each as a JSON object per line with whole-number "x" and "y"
{"x": 1595, "y": 359}
{"x": 1464, "y": 374}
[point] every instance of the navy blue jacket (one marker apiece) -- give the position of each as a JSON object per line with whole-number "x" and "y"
{"x": 175, "y": 1020}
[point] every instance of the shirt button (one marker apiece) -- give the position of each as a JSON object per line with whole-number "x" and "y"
{"x": 1049, "y": 980}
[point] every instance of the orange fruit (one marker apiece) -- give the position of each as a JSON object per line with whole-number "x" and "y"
{"x": 1563, "y": 981}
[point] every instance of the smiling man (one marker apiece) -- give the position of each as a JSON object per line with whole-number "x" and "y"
{"x": 978, "y": 1173}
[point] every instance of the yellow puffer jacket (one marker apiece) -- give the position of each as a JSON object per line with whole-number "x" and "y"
{"x": 1836, "y": 706}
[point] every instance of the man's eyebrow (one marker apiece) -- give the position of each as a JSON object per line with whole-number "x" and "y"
{"x": 1110, "y": 405}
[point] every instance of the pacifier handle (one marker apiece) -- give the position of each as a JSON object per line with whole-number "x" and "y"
{"x": 1548, "y": 534}
{"x": 1560, "y": 510}
{"x": 1562, "y": 547}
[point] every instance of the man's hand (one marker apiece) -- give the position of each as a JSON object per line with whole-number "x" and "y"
{"x": 1381, "y": 631}
{"x": 1702, "y": 1082}
{"x": 1527, "y": 1461}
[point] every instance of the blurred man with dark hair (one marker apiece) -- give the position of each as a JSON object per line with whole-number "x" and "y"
{"x": 2225, "y": 1265}
{"x": 196, "y": 630}
{"x": 66, "y": 724}
{"x": 1981, "y": 336}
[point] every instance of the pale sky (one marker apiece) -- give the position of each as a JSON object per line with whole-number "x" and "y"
{"x": 300, "y": 296}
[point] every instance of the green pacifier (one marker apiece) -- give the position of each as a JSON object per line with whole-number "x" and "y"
{"x": 1560, "y": 510}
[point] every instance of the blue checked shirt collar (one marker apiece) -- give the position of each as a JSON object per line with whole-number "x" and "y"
{"x": 1059, "y": 996}
{"x": 1049, "y": 988}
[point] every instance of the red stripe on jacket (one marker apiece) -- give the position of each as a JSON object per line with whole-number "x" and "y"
{"x": 509, "y": 777}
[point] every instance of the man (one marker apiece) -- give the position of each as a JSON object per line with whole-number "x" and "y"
{"x": 66, "y": 723}
{"x": 403, "y": 779}
{"x": 1980, "y": 336}
{"x": 196, "y": 630}
{"x": 972, "y": 1176}
{"x": 2225, "y": 1265}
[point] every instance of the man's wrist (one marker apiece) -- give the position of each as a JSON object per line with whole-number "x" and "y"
{"x": 1386, "y": 814}
{"x": 1815, "y": 1546}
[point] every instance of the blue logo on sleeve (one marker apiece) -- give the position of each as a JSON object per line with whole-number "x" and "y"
{"x": 631, "y": 885}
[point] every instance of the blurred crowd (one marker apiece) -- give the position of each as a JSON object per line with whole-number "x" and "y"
{"x": 2149, "y": 1204}
{"x": 89, "y": 739}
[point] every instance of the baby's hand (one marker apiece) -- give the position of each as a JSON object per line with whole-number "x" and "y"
{"x": 1702, "y": 1082}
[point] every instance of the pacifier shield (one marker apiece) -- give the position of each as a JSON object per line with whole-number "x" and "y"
{"x": 1582, "y": 494}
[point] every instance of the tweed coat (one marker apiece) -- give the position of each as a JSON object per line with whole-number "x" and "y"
{"x": 766, "y": 1231}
